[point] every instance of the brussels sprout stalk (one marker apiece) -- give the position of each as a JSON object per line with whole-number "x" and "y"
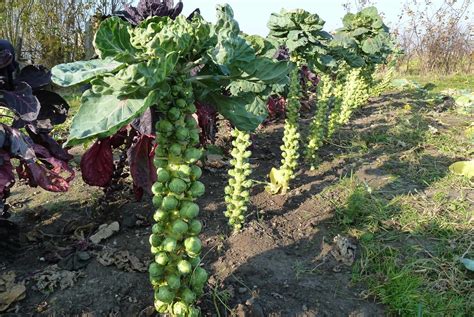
{"x": 176, "y": 276}
{"x": 338, "y": 93}
{"x": 280, "y": 179}
{"x": 237, "y": 191}
{"x": 318, "y": 124}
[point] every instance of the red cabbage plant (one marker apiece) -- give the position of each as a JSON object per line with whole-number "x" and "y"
{"x": 28, "y": 113}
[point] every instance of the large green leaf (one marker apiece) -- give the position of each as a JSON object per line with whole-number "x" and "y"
{"x": 372, "y": 45}
{"x": 266, "y": 70}
{"x": 70, "y": 74}
{"x": 103, "y": 115}
{"x": 113, "y": 40}
{"x": 245, "y": 112}
{"x": 232, "y": 50}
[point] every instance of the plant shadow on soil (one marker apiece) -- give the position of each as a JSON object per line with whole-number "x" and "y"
{"x": 283, "y": 263}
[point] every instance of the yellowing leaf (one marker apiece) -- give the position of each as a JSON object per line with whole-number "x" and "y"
{"x": 277, "y": 182}
{"x": 407, "y": 107}
{"x": 465, "y": 168}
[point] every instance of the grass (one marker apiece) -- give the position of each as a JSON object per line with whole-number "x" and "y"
{"x": 413, "y": 228}
{"x": 454, "y": 81}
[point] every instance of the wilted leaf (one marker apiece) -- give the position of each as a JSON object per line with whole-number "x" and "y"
{"x": 277, "y": 182}
{"x": 465, "y": 168}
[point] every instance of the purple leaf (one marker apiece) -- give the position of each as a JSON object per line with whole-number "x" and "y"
{"x": 142, "y": 169}
{"x": 97, "y": 164}
{"x": 7, "y": 178}
{"x": 37, "y": 76}
{"x": 22, "y": 101}
{"x": 6, "y": 58}
{"x": 53, "y": 111}
{"x": 49, "y": 143}
{"x": 207, "y": 120}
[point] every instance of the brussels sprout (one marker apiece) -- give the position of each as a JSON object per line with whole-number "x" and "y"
{"x": 157, "y": 228}
{"x": 169, "y": 244}
{"x": 164, "y": 294}
{"x": 184, "y": 267}
{"x": 175, "y": 149}
{"x": 158, "y": 162}
{"x": 174, "y": 281}
{"x": 155, "y": 240}
{"x": 169, "y": 203}
{"x": 192, "y": 155}
{"x": 160, "y": 306}
{"x": 182, "y": 134}
{"x": 181, "y": 103}
{"x": 160, "y": 215}
{"x": 155, "y": 269}
{"x": 191, "y": 122}
{"x": 174, "y": 114}
{"x": 188, "y": 296}
{"x": 199, "y": 277}
{"x": 177, "y": 186}
{"x": 184, "y": 171}
{"x": 157, "y": 200}
{"x": 179, "y": 226}
{"x": 161, "y": 258}
{"x": 197, "y": 189}
{"x": 162, "y": 175}
{"x": 191, "y": 108}
{"x": 180, "y": 309}
{"x": 189, "y": 210}
{"x": 192, "y": 245}
{"x": 195, "y": 227}
{"x": 157, "y": 188}
{"x": 195, "y": 261}
{"x": 164, "y": 126}
{"x": 196, "y": 172}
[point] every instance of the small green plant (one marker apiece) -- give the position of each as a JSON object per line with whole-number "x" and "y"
{"x": 237, "y": 191}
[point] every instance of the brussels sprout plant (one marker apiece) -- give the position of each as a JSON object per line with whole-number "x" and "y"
{"x": 167, "y": 65}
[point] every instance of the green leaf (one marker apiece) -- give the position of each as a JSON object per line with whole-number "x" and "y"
{"x": 113, "y": 40}
{"x": 360, "y": 31}
{"x": 327, "y": 61}
{"x": 150, "y": 73}
{"x": 231, "y": 50}
{"x": 71, "y": 74}
{"x": 266, "y": 70}
{"x": 246, "y": 112}
{"x": 103, "y": 115}
{"x": 468, "y": 263}
{"x": 372, "y": 45}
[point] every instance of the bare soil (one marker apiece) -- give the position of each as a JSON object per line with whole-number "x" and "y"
{"x": 285, "y": 262}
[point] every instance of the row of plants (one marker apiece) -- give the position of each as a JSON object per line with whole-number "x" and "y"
{"x": 155, "y": 72}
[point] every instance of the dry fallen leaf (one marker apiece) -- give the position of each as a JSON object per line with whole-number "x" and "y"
{"x": 53, "y": 278}
{"x": 123, "y": 260}
{"x": 105, "y": 231}
{"x": 10, "y": 291}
